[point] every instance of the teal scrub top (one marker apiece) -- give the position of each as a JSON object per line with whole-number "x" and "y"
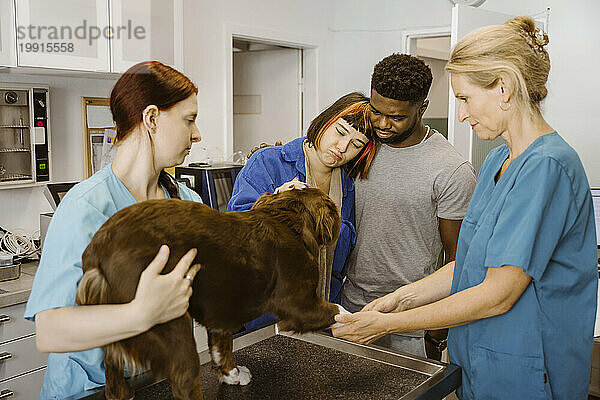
{"x": 79, "y": 215}
{"x": 539, "y": 217}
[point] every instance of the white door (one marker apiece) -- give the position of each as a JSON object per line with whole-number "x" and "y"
{"x": 157, "y": 32}
{"x": 266, "y": 97}
{"x": 8, "y": 55}
{"x": 65, "y": 34}
{"x": 464, "y": 20}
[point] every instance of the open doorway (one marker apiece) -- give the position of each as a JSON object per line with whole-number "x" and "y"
{"x": 267, "y": 93}
{"x": 435, "y": 51}
{"x": 433, "y": 47}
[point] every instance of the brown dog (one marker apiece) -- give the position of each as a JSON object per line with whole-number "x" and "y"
{"x": 254, "y": 262}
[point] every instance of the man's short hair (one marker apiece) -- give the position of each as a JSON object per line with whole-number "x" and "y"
{"x": 402, "y": 77}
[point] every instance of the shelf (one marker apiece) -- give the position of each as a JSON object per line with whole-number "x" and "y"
{"x": 14, "y": 177}
{"x": 13, "y": 127}
{"x": 6, "y": 150}
{"x": 21, "y": 184}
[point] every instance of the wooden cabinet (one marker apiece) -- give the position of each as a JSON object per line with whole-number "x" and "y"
{"x": 22, "y": 366}
{"x": 156, "y": 32}
{"x": 8, "y": 55}
{"x": 65, "y": 34}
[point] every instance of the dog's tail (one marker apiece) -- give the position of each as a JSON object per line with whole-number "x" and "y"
{"x": 93, "y": 287}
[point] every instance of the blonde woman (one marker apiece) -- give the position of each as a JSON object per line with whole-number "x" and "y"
{"x": 520, "y": 298}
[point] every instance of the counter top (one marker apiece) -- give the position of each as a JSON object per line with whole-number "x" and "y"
{"x": 311, "y": 366}
{"x": 17, "y": 291}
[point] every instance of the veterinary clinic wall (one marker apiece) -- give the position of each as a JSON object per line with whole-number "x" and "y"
{"x": 365, "y": 32}
{"x": 572, "y": 104}
{"x": 352, "y": 36}
{"x": 205, "y": 63}
{"x": 20, "y": 208}
{"x": 206, "y": 24}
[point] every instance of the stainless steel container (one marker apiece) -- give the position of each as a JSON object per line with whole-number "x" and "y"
{"x": 9, "y": 272}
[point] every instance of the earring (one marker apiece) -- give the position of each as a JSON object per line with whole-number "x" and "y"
{"x": 507, "y": 107}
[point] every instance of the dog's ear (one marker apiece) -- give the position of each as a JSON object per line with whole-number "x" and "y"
{"x": 323, "y": 216}
{"x": 308, "y": 237}
{"x": 327, "y": 223}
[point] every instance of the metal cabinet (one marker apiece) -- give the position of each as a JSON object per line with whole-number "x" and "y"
{"x": 13, "y": 325}
{"x": 24, "y": 387}
{"x": 22, "y": 366}
{"x": 8, "y": 55}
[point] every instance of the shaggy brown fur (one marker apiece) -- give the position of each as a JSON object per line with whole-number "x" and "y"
{"x": 254, "y": 262}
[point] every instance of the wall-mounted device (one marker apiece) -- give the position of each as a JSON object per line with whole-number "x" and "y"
{"x": 24, "y": 134}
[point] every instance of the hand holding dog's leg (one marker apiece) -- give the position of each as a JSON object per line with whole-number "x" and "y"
{"x": 161, "y": 298}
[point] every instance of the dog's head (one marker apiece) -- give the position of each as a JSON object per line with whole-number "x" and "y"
{"x": 317, "y": 211}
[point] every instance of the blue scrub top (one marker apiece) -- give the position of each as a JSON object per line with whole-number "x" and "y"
{"x": 539, "y": 217}
{"x": 79, "y": 215}
{"x": 271, "y": 167}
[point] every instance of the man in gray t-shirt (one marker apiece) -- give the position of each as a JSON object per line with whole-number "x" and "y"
{"x": 412, "y": 204}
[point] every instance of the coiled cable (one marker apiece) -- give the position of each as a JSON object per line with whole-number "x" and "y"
{"x": 21, "y": 246}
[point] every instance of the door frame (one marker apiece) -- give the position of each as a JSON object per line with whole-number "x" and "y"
{"x": 308, "y": 93}
{"x": 409, "y": 43}
{"x": 409, "y": 37}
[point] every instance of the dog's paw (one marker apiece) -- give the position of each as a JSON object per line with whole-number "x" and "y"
{"x": 245, "y": 375}
{"x": 342, "y": 311}
{"x": 237, "y": 376}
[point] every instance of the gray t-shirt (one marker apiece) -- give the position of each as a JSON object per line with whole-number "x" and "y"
{"x": 397, "y": 210}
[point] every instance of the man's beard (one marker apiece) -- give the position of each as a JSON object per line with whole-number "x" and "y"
{"x": 397, "y": 138}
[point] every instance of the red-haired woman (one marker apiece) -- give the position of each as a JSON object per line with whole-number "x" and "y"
{"x": 338, "y": 146}
{"x": 154, "y": 108}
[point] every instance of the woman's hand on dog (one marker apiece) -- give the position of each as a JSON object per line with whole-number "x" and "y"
{"x": 293, "y": 184}
{"x": 161, "y": 298}
{"x": 391, "y": 302}
{"x": 402, "y": 299}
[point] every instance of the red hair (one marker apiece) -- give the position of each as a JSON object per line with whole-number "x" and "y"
{"x": 354, "y": 109}
{"x": 148, "y": 83}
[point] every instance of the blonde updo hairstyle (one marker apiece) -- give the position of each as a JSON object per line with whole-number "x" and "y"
{"x": 514, "y": 52}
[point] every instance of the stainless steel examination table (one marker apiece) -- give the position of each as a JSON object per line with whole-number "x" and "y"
{"x": 314, "y": 366}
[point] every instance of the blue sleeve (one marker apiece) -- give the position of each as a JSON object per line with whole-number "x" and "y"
{"x": 253, "y": 181}
{"x": 533, "y": 218}
{"x": 71, "y": 229}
